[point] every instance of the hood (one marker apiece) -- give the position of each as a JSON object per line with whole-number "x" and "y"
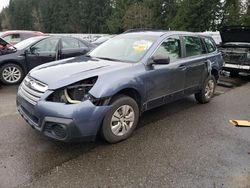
{"x": 235, "y": 34}
{"x": 65, "y": 72}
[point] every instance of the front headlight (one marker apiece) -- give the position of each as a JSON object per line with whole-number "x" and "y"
{"x": 75, "y": 93}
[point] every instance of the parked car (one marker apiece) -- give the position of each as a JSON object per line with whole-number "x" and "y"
{"x": 107, "y": 90}
{"x": 14, "y": 37}
{"x": 215, "y": 35}
{"x": 235, "y": 49}
{"x": 103, "y": 39}
{"x": 16, "y": 62}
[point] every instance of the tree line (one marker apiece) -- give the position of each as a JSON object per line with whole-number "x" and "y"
{"x": 115, "y": 16}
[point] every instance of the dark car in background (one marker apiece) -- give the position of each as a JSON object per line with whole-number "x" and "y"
{"x": 107, "y": 90}
{"x": 16, "y": 61}
{"x": 14, "y": 37}
{"x": 235, "y": 49}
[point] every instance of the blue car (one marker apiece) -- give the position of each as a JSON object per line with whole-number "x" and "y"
{"x": 106, "y": 91}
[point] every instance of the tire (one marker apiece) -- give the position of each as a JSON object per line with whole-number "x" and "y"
{"x": 207, "y": 91}
{"x": 11, "y": 74}
{"x": 115, "y": 128}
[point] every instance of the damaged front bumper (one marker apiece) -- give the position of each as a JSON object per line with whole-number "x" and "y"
{"x": 64, "y": 122}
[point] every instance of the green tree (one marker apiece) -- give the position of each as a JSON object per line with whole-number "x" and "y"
{"x": 115, "y": 16}
{"x": 37, "y": 19}
{"x": 5, "y": 20}
{"x": 246, "y": 16}
{"x": 232, "y": 12}
{"x": 137, "y": 16}
{"x": 164, "y": 11}
{"x": 197, "y": 15}
{"x": 118, "y": 9}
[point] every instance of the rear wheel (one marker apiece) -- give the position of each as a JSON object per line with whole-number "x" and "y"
{"x": 207, "y": 91}
{"x": 11, "y": 74}
{"x": 121, "y": 120}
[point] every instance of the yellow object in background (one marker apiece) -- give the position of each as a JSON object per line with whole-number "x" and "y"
{"x": 240, "y": 123}
{"x": 142, "y": 45}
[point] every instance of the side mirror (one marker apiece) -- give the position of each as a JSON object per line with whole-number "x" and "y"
{"x": 31, "y": 50}
{"x": 85, "y": 50}
{"x": 159, "y": 60}
{"x": 27, "y": 51}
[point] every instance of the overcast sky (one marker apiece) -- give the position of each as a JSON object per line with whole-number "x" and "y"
{"x": 3, "y": 3}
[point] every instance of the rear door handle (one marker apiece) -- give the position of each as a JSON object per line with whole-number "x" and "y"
{"x": 183, "y": 67}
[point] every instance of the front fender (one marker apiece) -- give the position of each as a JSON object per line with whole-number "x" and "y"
{"x": 109, "y": 87}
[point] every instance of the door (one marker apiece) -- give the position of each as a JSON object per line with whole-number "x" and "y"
{"x": 72, "y": 47}
{"x": 196, "y": 62}
{"x": 42, "y": 52}
{"x": 165, "y": 82}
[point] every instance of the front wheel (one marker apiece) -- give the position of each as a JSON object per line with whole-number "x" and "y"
{"x": 121, "y": 120}
{"x": 207, "y": 91}
{"x": 11, "y": 74}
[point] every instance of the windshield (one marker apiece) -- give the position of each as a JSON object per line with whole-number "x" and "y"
{"x": 124, "y": 48}
{"x": 25, "y": 43}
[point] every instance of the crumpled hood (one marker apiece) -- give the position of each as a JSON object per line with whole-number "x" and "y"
{"x": 65, "y": 72}
{"x": 235, "y": 34}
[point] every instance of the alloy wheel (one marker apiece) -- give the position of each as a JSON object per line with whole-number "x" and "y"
{"x": 209, "y": 90}
{"x": 11, "y": 74}
{"x": 122, "y": 120}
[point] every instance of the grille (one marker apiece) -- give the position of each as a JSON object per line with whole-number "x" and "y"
{"x": 32, "y": 90}
{"x": 236, "y": 58}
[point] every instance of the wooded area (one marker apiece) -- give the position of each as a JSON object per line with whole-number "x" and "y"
{"x": 115, "y": 16}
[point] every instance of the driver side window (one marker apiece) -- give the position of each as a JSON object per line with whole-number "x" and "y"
{"x": 45, "y": 46}
{"x": 170, "y": 48}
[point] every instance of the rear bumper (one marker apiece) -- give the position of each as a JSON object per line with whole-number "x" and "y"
{"x": 63, "y": 122}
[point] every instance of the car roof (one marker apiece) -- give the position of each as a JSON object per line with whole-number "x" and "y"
{"x": 41, "y": 37}
{"x": 158, "y": 33}
{"x": 20, "y": 31}
{"x": 61, "y": 36}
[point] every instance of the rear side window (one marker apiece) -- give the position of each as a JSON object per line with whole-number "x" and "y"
{"x": 71, "y": 43}
{"x": 193, "y": 46}
{"x": 210, "y": 45}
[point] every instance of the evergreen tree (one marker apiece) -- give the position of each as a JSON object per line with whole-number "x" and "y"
{"x": 232, "y": 12}
{"x": 196, "y": 15}
{"x": 137, "y": 16}
{"x": 115, "y": 16}
{"x": 246, "y": 16}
